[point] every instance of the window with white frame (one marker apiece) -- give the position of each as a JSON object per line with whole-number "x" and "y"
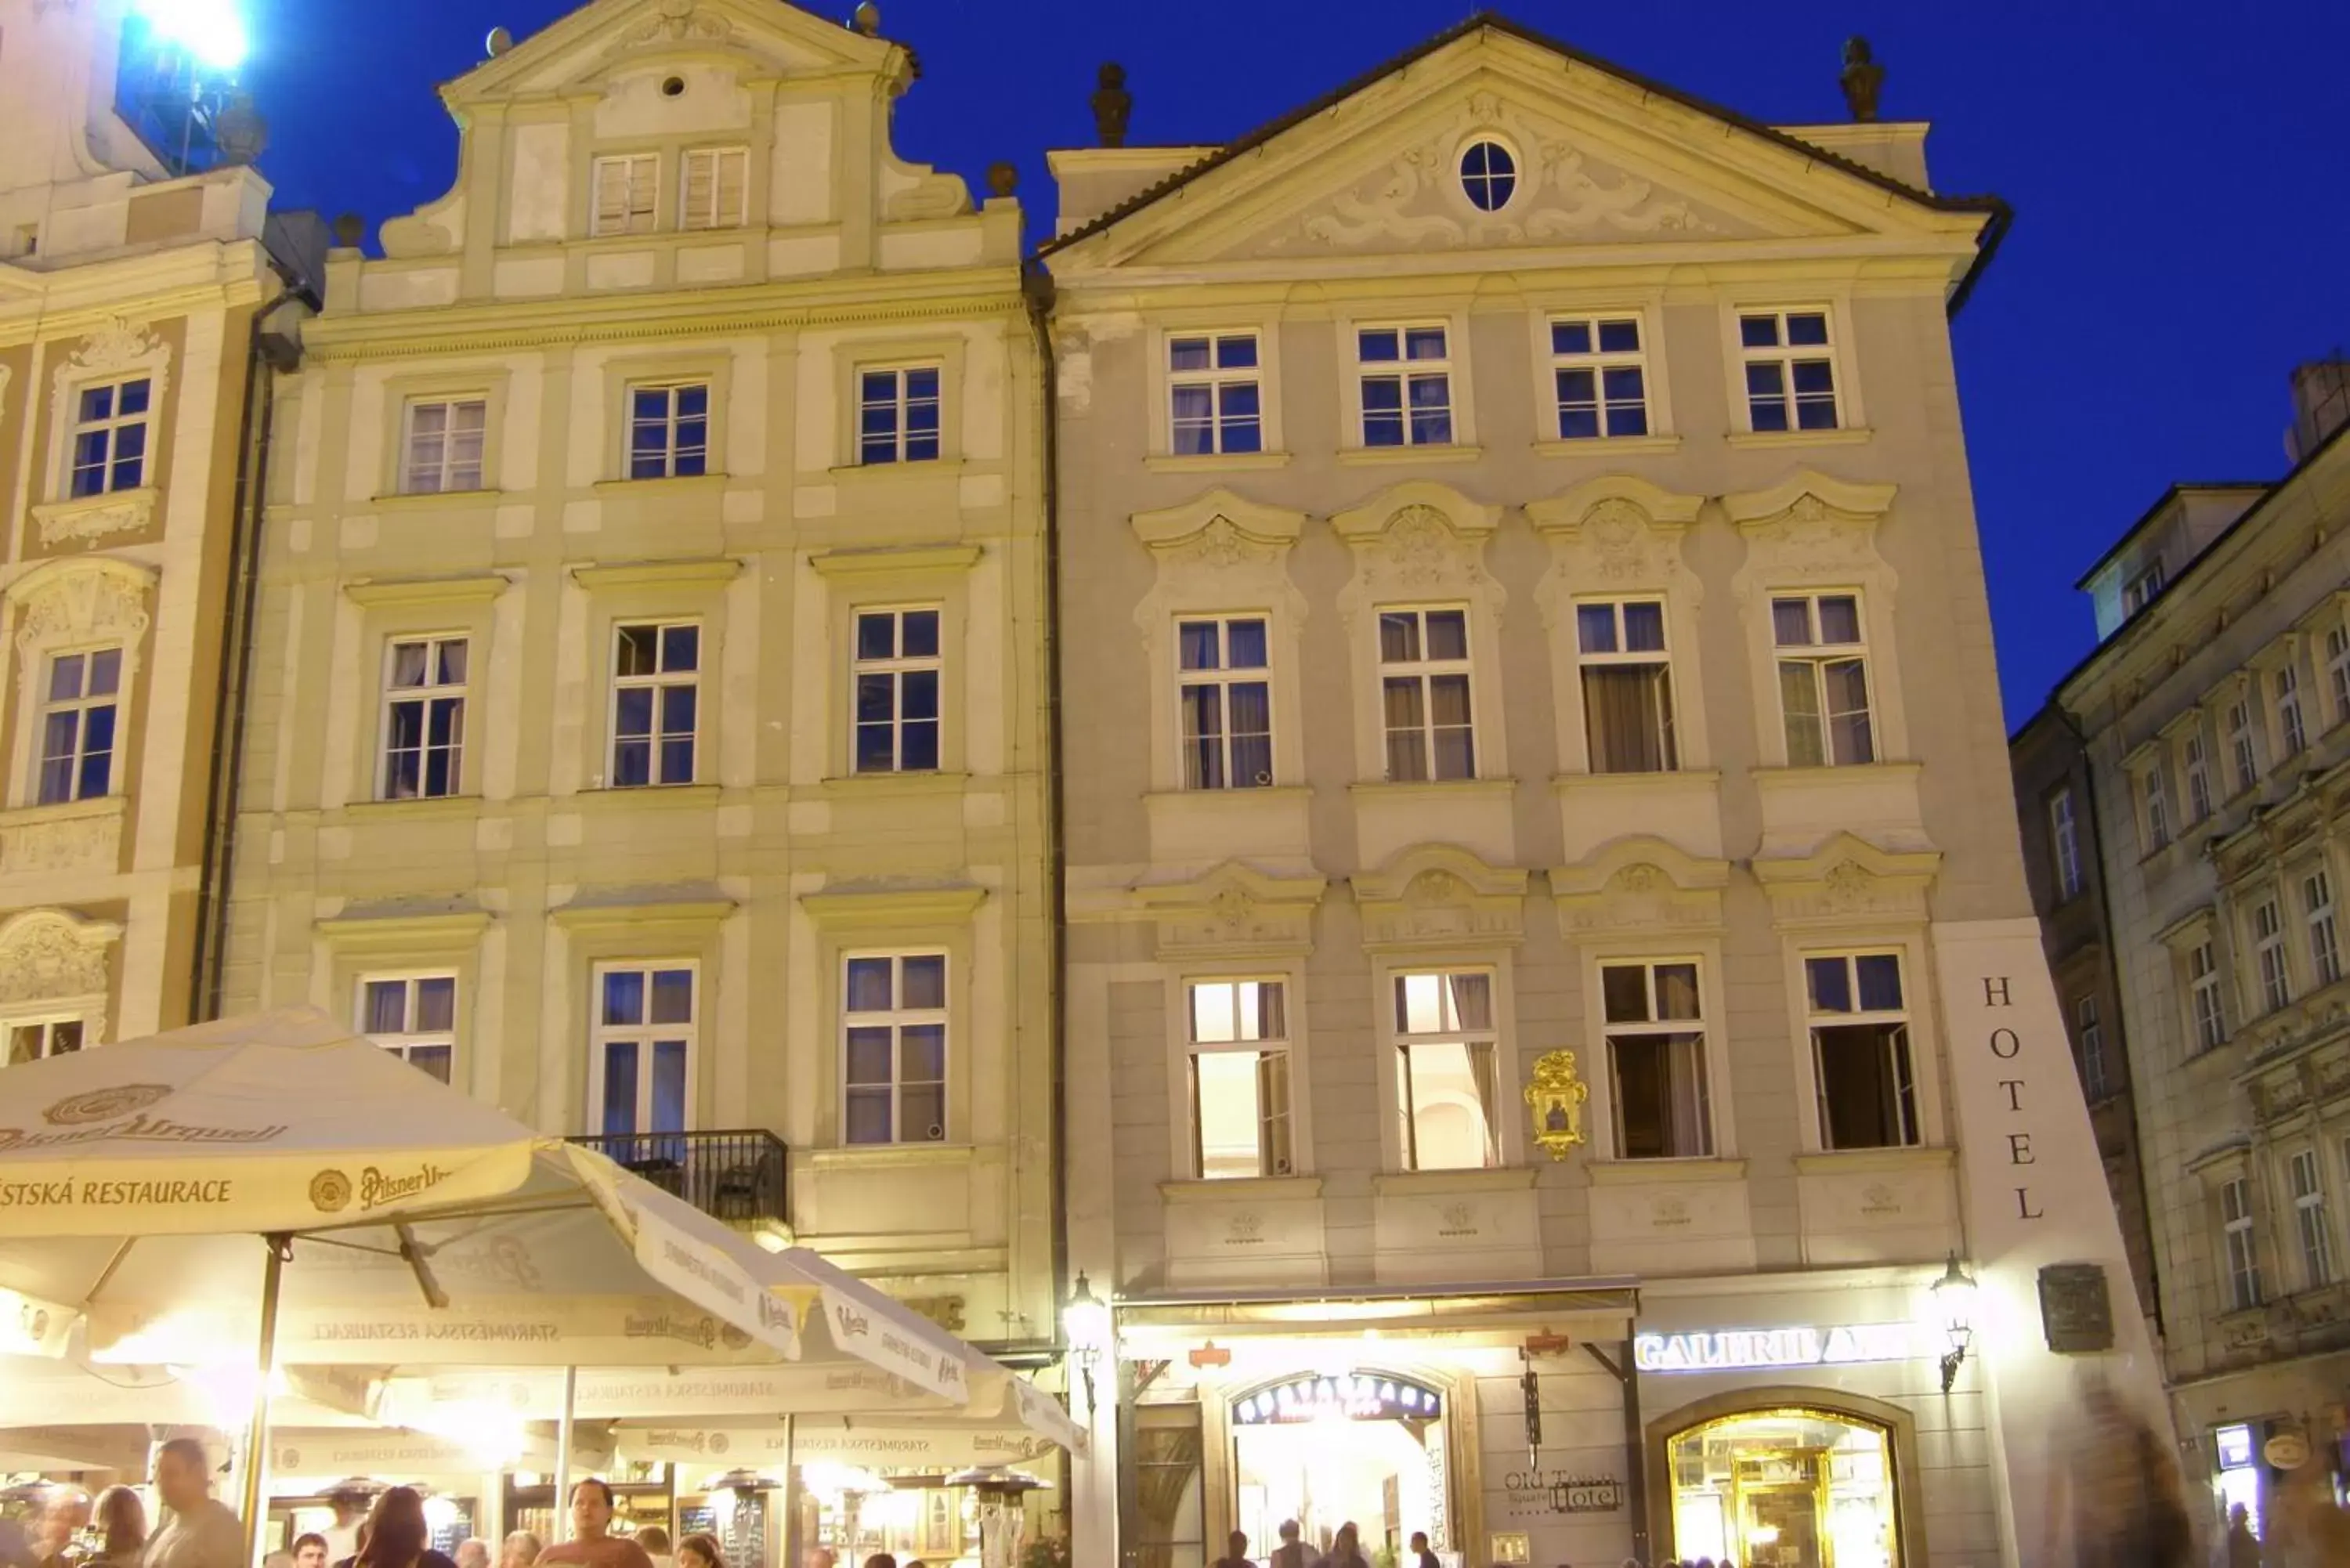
{"x": 1791, "y": 372}
{"x": 714, "y": 188}
{"x": 2140, "y": 590}
{"x": 424, "y": 718}
{"x": 2197, "y": 769}
{"x": 2317, "y": 910}
{"x": 110, "y": 436}
{"x": 2064, "y": 838}
{"x": 444, "y": 443}
{"x": 669, "y": 430}
{"x": 2239, "y": 743}
{"x": 898, "y": 415}
{"x": 1823, "y": 680}
{"x": 897, "y": 673}
{"x": 894, "y": 1049}
{"x": 1628, "y": 686}
{"x": 1600, "y": 376}
{"x": 1861, "y": 1063}
{"x": 38, "y": 1039}
{"x": 2089, "y": 1030}
{"x": 1225, "y": 699}
{"x": 1489, "y": 175}
{"x": 640, "y": 1063}
{"x": 2203, "y": 995}
{"x": 79, "y": 705}
{"x": 2308, "y": 1183}
{"x": 1238, "y": 1038}
{"x": 2158, "y": 809}
{"x": 1448, "y": 1096}
{"x": 1215, "y": 400}
{"x": 628, "y": 191}
{"x": 656, "y": 696}
{"x": 1407, "y": 385}
{"x": 1424, "y": 694}
{"x": 414, "y": 1017}
{"x": 2337, "y": 670}
{"x": 2239, "y": 1245}
{"x": 2268, "y": 948}
{"x": 1655, "y": 1060}
{"x": 2291, "y": 729}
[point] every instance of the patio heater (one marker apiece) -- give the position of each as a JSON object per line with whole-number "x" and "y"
{"x": 1001, "y": 1517}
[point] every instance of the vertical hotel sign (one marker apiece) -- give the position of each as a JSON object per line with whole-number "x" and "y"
{"x": 2035, "y": 1195}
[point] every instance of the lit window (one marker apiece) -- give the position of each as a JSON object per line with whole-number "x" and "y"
{"x": 2203, "y": 991}
{"x": 1489, "y": 175}
{"x": 445, "y": 446}
{"x": 894, "y": 1047}
{"x": 414, "y": 1017}
{"x": 2337, "y": 671}
{"x": 1656, "y": 1060}
{"x": 896, "y": 672}
{"x": 2290, "y": 728}
{"x": 1600, "y": 377}
{"x": 2158, "y": 809}
{"x": 655, "y": 689}
{"x": 1823, "y": 680}
{"x": 2097, "y": 1078}
{"x": 1447, "y": 1096}
{"x": 2317, "y": 907}
{"x": 1214, "y": 400}
{"x": 2197, "y": 769}
{"x": 78, "y": 725}
{"x": 1791, "y": 378}
{"x": 1424, "y": 691}
{"x": 2243, "y": 1250}
{"x": 2268, "y": 947}
{"x": 1240, "y": 1078}
{"x": 1860, "y": 1050}
{"x": 35, "y": 1040}
{"x": 898, "y": 415}
{"x": 627, "y": 191}
{"x": 109, "y": 436}
{"x": 642, "y": 1061}
{"x": 1627, "y": 687}
{"x": 424, "y": 719}
{"x": 716, "y": 179}
{"x": 669, "y": 430}
{"x": 1226, "y": 701}
{"x": 2064, "y": 833}
{"x": 2239, "y": 743}
{"x": 2309, "y": 1216}
{"x": 1406, "y": 383}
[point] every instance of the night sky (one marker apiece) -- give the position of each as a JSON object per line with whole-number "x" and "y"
{"x": 2180, "y": 174}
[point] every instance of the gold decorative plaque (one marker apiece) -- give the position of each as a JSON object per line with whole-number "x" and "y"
{"x": 1555, "y": 1097}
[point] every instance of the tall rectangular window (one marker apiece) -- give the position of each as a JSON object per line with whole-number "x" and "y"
{"x": 414, "y": 1017}
{"x": 1424, "y": 694}
{"x": 669, "y": 430}
{"x": 79, "y": 705}
{"x": 2203, "y": 996}
{"x": 1448, "y": 1096}
{"x": 2317, "y": 909}
{"x": 1860, "y": 1050}
{"x": 37, "y": 1040}
{"x": 656, "y": 694}
{"x": 424, "y": 718}
{"x": 2065, "y": 838}
{"x": 2337, "y": 670}
{"x": 2268, "y": 948}
{"x": 1601, "y": 378}
{"x": 2309, "y": 1217}
{"x": 2197, "y": 769}
{"x": 2097, "y": 1076}
{"x": 1407, "y": 385}
{"x": 898, "y": 415}
{"x": 1240, "y": 1078}
{"x": 898, "y": 673}
{"x": 1655, "y": 1060}
{"x": 444, "y": 445}
{"x": 2158, "y": 809}
{"x": 2140, "y": 590}
{"x": 628, "y": 190}
{"x": 2239, "y": 743}
{"x": 715, "y": 187}
{"x": 1823, "y": 680}
{"x": 1216, "y": 401}
{"x": 1627, "y": 687}
{"x": 2241, "y": 1249}
{"x": 2291, "y": 730}
{"x": 1791, "y": 376}
{"x": 641, "y": 1050}
{"x": 109, "y": 436}
{"x": 1226, "y": 701}
{"x": 894, "y": 1068}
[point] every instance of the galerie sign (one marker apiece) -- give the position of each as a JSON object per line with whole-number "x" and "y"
{"x": 1754, "y": 1349}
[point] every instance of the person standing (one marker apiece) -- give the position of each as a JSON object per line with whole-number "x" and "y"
{"x": 342, "y": 1537}
{"x": 520, "y": 1551}
{"x": 1235, "y": 1551}
{"x": 397, "y": 1535}
{"x": 310, "y": 1551}
{"x": 655, "y": 1540}
{"x": 121, "y": 1521}
{"x": 2244, "y": 1547}
{"x": 1421, "y": 1557}
{"x": 1346, "y": 1548}
{"x": 701, "y": 1550}
{"x": 472, "y": 1552}
{"x": 592, "y": 1542}
{"x": 1292, "y": 1553}
{"x": 202, "y": 1533}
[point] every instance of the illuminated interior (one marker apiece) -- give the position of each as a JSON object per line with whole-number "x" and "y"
{"x": 1377, "y": 1461}
{"x": 2239, "y": 1477}
{"x": 1785, "y": 1489}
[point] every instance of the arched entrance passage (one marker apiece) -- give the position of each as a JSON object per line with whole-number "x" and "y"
{"x": 1786, "y": 1477}
{"x": 1368, "y": 1446}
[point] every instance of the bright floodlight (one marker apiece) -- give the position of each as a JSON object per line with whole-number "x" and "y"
{"x": 209, "y": 29}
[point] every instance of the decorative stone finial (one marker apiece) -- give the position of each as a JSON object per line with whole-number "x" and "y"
{"x": 499, "y": 41}
{"x": 239, "y": 132}
{"x": 1863, "y": 79}
{"x": 1112, "y": 105}
{"x": 867, "y": 19}
{"x": 1003, "y": 179}
{"x": 351, "y": 230}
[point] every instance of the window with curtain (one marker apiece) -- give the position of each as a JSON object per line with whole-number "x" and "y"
{"x": 642, "y": 1071}
{"x": 1240, "y": 1078}
{"x": 895, "y": 1048}
{"x": 1823, "y": 680}
{"x": 1627, "y": 687}
{"x": 1447, "y": 1091}
{"x": 1655, "y": 1060}
{"x": 1424, "y": 694}
{"x": 1226, "y": 701}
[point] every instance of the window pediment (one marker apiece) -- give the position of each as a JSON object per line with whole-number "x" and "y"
{"x": 1438, "y": 896}
{"x": 1810, "y": 526}
{"x": 51, "y": 955}
{"x": 1642, "y": 884}
{"x": 82, "y": 599}
{"x": 1219, "y": 528}
{"x": 1235, "y": 910}
{"x": 1847, "y": 879}
{"x": 1618, "y": 532}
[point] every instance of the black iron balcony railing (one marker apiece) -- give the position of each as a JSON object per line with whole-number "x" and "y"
{"x": 737, "y": 1176}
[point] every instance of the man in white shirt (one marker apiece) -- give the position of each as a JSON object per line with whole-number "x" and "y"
{"x": 202, "y": 1533}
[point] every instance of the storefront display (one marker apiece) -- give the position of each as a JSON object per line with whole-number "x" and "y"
{"x": 1784, "y": 1489}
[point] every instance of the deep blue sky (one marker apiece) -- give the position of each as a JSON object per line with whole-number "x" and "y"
{"x": 2180, "y": 174}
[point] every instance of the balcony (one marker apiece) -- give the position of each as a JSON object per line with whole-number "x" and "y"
{"x": 740, "y": 1176}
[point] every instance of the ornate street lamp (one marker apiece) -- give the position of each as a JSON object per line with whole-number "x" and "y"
{"x": 1954, "y": 1312}
{"x": 1086, "y": 1322}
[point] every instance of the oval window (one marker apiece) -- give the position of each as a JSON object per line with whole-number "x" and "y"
{"x": 1489, "y": 174}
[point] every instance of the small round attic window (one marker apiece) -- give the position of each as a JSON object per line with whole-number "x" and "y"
{"x": 1489, "y": 174}
{"x": 673, "y": 88}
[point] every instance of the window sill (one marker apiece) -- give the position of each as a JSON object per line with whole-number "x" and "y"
{"x": 1434, "y": 789}
{"x": 1634, "y": 783}
{"x": 1607, "y": 446}
{"x": 1641, "y": 1172}
{"x": 1380, "y": 455}
{"x": 1420, "y": 1183}
{"x": 679, "y": 484}
{"x": 436, "y": 500}
{"x": 1214, "y": 462}
{"x": 936, "y": 781}
{"x": 660, "y": 797}
{"x": 422, "y": 806}
{"x": 870, "y": 1156}
{"x": 1765, "y": 777}
{"x": 878, "y": 473}
{"x": 83, "y": 518}
{"x": 1239, "y": 1188}
{"x": 1900, "y": 1157}
{"x": 1844, "y": 436}
{"x": 17, "y": 818}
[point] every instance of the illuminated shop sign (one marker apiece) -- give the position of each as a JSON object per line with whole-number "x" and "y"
{"x": 1752, "y": 1349}
{"x": 1350, "y": 1396}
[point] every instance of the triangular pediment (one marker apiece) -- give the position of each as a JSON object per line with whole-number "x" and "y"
{"x": 588, "y": 46}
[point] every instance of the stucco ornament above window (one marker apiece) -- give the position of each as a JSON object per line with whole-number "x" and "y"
{"x": 676, "y": 22}
{"x": 51, "y": 956}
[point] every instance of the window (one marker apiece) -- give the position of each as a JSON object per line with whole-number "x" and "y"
{"x": 896, "y": 1049}
{"x": 1789, "y": 370}
{"x": 37, "y": 1039}
{"x": 445, "y": 446}
{"x": 626, "y": 192}
{"x": 2157, "y": 809}
{"x": 1226, "y": 703}
{"x": 1823, "y": 680}
{"x": 669, "y": 430}
{"x": 1240, "y": 1079}
{"x": 414, "y": 1017}
{"x": 109, "y": 438}
{"x": 2290, "y": 728}
{"x": 1656, "y": 1060}
{"x": 897, "y": 674}
{"x": 898, "y": 415}
{"x": 1215, "y": 402}
{"x": 1446, "y": 1092}
{"x": 1407, "y": 384}
{"x": 1489, "y": 175}
{"x": 2337, "y": 671}
{"x": 714, "y": 184}
{"x": 2267, "y": 944}
{"x": 2243, "y": 1252}
{"x": 424, "y": 719}
{"x": 2317, "y": 906}
{"x": 1627, "y": 687}
{"x": 1601, "y": 378}
{"x": 655, "y": 687}
{"x": 2199, "y": 777}
{"x": 2140, "y": 590}
{"x": 2309, "y": 1217}
{"x": 2097, "y": 1078}
{"x": 77, "y": 724}
{"x": 2203, "y": 992}
{"x": 1860, "y": 1050}
{"x": 2240, "y": 743}
{"x": 2065, "y": 836}
{"x": 643, "y": 1049}
{"x": 1424, "y": 673}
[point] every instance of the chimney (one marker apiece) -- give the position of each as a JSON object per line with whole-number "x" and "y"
{"x": 2320, "y": 404}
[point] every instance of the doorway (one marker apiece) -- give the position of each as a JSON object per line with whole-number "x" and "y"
{"x": 1361, "y": 1448}
{"x": 1785, "y": 1489}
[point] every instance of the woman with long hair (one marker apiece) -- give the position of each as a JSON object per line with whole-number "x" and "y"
{"x": 397, "y": 1535}
{"x": 701, "y": 1550}
{"x": 121, "y": 1523}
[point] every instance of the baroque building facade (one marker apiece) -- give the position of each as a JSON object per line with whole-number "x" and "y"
{"x": 1551, "y": 982}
